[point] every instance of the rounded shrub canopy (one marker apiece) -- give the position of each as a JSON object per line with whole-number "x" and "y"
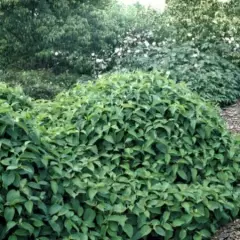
{"x": 129, "y": 156}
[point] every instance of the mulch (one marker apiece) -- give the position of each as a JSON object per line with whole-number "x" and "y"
{"x": 229, "y": 232}
{"x": 232, "y": 116}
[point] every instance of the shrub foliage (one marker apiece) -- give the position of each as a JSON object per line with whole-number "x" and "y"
{"x": 126, "y": 157}
{"x": 208, "y": 74}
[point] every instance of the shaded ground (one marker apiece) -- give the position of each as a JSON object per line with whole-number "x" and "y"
{"x": 229, "y": 232}
{"x": 232, "y": 116}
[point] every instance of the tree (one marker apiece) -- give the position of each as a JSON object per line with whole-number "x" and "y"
{"x": 53, "y": 34}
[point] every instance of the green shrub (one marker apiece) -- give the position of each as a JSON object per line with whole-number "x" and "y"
{"x": 129, "y": 156}
{"x": 39, "y": 84}
{"x": 208, "y": 74}
{"x": 14, "y": 97}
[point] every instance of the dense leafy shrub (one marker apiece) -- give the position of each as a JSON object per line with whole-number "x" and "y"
{"x": 208, "y": 74}
{"x": 22, "y": 182}
{"x": 15, "y": 98}
{"x": 129, "y": 156}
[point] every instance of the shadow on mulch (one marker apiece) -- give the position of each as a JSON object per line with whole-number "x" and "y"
{"x": 232, "y": 116}
{"x": 229, "y": 232}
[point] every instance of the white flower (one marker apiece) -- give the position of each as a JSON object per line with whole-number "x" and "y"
{"x": 237, "y": 45}
{"x": 56, "y": 53}
{"x": 189, "y": 34}
{"x": 128, "y": 51}
{"x": 117, "y": 50}
{"x": 137, "y": 51}
{"x": 93, "y": 54}
{"x": 154, "y": 43}
{"x": 145, "y": 55}
{"x": 119, "y": 54}
{"x": 99, "y": 60}
{"x": 146, "y": 43}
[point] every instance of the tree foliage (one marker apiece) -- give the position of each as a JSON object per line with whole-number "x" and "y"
{"x": 55, "y": 34}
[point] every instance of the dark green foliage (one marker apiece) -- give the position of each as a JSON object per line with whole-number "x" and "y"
{"x": 123, "y": 158}
{"x": 208, "y": 74}
{"x": 59, "y": 35}
{"x": 40, "y": 84}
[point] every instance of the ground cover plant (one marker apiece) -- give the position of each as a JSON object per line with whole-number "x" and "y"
{"x": 127, "y": 157}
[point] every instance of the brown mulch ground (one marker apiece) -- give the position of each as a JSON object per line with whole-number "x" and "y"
{"x": 229, "y": 232}
{"x": 232, "y": 116}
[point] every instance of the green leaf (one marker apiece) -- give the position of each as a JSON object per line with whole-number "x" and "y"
{"x": 89, "y": 215}
{"x": 178, "y": 222}
{"x": 92, "y": 193}
{"x": 144, "y": 231}
{"x": 29, "y": 206}
{"x": 167, "y": 226}
{"x": 12, "y": 238}
{"x": 182, "y": 174}
{"x": 54, "y": 187}
{"x": 160, "y": 231}
{"x": 27, "y": 227}
{"x": 8, "y": 178}
{"x": 166, "y": 216}
{"x": 197, "y": 237}
{"x": 68, "y": 225}
{"x": 205, "y": 233}
{"x": 128, "y": 229}
{"x": 10, "y": 225}
{"x": 121, "y": 219}
{"x": 14, "y": 197}
{"x": 109, "y": 138}
{"x": 182, "y": 234}
{"x": 186, "y": 206}
{"x": 54, "y": 209}
{"x": 9, "y": 213}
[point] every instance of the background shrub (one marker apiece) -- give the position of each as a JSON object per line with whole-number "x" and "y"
{"x": 208, "y": 74}
{"x": 126, "y": 157}
{"x": 41, "y": 84}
